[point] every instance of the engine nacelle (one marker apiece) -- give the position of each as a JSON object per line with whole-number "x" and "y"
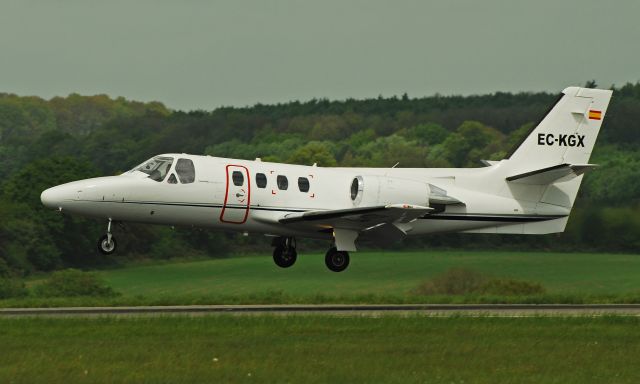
{"x": 381, "y": 190}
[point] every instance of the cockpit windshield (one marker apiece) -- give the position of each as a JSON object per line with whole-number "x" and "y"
{"x": 157, "y": 168}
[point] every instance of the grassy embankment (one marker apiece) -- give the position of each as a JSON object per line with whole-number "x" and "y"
{"x": 320, "y": 349}
{"x": 372, "y": 277}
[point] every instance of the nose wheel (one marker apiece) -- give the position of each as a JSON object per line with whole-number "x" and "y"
{"x": 336, "y": 261}
{"x": 284, "y": 253}
{"x": 107, "y": 243}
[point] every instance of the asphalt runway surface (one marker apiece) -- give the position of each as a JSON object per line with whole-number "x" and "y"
{"x": 497, "y": 310}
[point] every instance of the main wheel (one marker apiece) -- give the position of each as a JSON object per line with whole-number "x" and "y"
{"x": 105, "y": 246}
{"x": 337, "y": 261}
{"x": 284, "y": 257}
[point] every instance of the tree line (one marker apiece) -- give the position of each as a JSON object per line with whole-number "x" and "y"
{"x": 48, "y": 142}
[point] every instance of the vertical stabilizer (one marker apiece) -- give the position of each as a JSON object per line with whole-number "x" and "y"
{"x": 555, "y": 155}
{"x": 559, "y": 147}
{"x": 566, "y": 135}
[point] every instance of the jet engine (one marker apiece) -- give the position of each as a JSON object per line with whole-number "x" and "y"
{"x": 380, "y": 190}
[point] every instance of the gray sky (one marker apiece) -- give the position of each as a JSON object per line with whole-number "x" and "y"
{"x": 204, "y": 54}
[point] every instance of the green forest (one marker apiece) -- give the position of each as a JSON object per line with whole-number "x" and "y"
{"x": 48, "y": 142}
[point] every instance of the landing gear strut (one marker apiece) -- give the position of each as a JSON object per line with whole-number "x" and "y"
{"x": 284, "y": 253}
{"x": 337, "y": 261}
{"x": 107, "y": 243}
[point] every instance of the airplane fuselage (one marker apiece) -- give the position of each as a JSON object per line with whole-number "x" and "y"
{"x": 215, "y": 200}
{"x": 531, "y": 191}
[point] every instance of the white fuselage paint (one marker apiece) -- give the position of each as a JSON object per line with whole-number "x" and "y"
{"x": 213, "y": 200}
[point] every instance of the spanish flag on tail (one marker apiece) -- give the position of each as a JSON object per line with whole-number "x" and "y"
{"x": 595, "y": 115}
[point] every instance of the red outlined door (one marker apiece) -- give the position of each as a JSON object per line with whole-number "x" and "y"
{"x": 237, "y": 198}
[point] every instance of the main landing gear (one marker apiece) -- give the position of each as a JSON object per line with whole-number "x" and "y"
{"x": 107, "y": 243}
{"x": 337, "y": 261}
{"x": 285, "y": 255}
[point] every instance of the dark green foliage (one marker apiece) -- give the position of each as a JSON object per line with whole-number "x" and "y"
{"x": 463, "y": 281}
{"x": 26, "y": 184}
{"x": 5, "y": 271}
{"x": 473, "y": 142}
{"x": 46, "y": 239}
{"x": 208, "y": 242}
{"x": 428, "y": 133}
{"x": 72, "y": 282}
{"x": 617, "y": 181}
{"x": 26, "y": 241}
{"x": 314, "y": 152}
{"x": 168, "y": 245}
{"x": 12, "y": 288}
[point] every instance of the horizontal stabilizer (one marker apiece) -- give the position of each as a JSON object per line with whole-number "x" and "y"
{"x": 557, "y": 173}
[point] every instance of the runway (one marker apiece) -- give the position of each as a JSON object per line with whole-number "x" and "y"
{"x": 494, "y": 310}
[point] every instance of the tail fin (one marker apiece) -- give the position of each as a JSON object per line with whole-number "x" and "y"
{"x": 546, "y": 169}
{"x": 555, "y": 155}
{"x": 566, "y": 135}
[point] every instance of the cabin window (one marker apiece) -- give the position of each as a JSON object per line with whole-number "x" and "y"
{"x": 238, "y": 178}
{"x": 186, "y": 171}
{"x": 283, "y": 183}
{"x": 172, "y": 179}
{"x": 303, "y": 184}
{"x": 261, "y": 180}
{"x": 157, "y": 168}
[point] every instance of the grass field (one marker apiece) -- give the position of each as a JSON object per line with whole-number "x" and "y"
{"x": 372, "y": 277}
{"x": 394, "y": 273}
{"x": 314, "y": 349}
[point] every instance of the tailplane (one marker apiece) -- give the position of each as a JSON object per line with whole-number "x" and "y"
{"x": 555, "y": 174}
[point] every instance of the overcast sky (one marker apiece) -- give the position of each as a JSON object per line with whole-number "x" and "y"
{"x": 204, "y": 54}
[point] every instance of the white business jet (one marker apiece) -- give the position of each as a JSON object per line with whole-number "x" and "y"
{"x": 531, "y": 191}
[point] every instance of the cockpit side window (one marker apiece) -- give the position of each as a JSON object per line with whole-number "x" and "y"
{"x": 186, "y": 171}
{"x": 157, "y": 168}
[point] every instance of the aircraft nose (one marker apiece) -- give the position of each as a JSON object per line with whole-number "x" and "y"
{"x": 53, "y": 197}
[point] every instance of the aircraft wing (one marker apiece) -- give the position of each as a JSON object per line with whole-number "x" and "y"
{"x": 358, "y": 219}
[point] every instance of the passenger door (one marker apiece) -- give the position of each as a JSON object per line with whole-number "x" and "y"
{"x": 237, "y": 197}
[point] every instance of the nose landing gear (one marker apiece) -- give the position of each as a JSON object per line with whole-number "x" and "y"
{"x": 284, "y": 253}
{"x": 107, "y": 243}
